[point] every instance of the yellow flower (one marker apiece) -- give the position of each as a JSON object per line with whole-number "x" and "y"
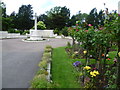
{"x": 96, "y": 72}
{"x": 119, "y": 54}
{"x": 87, "y": 67}
{"x": 92, "y": 74}
{"x": 84, "y": 52}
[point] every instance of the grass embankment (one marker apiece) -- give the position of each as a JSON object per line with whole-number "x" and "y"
{"x": 62, "y": 70}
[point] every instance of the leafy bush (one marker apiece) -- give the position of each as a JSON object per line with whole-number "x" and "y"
{"x": 39, "y": 81}
{"x": 43, "y": 64}
{"x": 48, "y": 55}
{"x": 65, "y": 31}
{"x": 11, "y": 31}
{"x": 26, "y": 31}
{"x": 40, "y": 25}
{"x": 48, "y": 50}
{"x": 48, "y": 46}
{"x": 56, "y": 31}
{"x": 17, "y": 31}
{"x": 42, "y": 71}
{"x": 68, "y": 44}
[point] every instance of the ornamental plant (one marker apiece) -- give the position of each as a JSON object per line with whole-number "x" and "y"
{"x": 91, "y": 75}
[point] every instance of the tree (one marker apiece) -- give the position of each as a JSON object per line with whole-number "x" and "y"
{"x": 46, "y": 20}
{"x": 6, "y": 21}
{"x": 58, "y": 17}
{"x": 40, "y": 25}
{"x": 3, "y": 8}
{"x": 78, "y": 17}
{"x": 92, "y": 17}
{"x": 24, "y": 17}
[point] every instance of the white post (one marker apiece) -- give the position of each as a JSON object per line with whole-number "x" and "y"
{"x": 35, "y": 21}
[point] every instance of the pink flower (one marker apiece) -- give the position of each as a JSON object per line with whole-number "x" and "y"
{"x": 101, "y": 28}
{"x": 89, "y": 24}
{"x": 118, "y": 14}
{"x": 76, "y": 24}
{"x": 77, "y": 30}
{"x": 108, "y": 58}
{"x": 86, "y": 30}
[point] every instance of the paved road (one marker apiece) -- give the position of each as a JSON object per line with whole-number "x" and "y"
{"x": 20, "y": 60}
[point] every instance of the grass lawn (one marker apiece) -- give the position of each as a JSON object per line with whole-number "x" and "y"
{"x": 62, "y": 70}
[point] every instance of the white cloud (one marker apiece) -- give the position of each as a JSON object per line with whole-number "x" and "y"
{"x": 40, "y": 6}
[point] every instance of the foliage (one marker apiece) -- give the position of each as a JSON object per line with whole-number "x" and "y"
{"x": 96, "y": 40}
{"x": 48, "y": 46}
{"x": 59, "y": 17}
{"x": 64, "y": 31}
{"x": 24, "y": 17}
{"x": 3, "y": 9}
{"x": 78, "y": 17}
{"x": 40, "y": 25}
{"x": 6, "y": 23}
{"x": 56, "y": 31}
{"x": 26, "y": 31}
{"x": 40, "y": 80}
{"x": 95, "y": 18}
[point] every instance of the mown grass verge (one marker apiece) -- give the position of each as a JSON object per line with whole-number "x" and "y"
{"x": 62, "y": 70}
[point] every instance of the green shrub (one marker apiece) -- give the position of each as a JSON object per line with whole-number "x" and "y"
{"x": 26, "y": 31}
{"x": 47, "y": 55}
{"x": 42, "y": 71}
{"x": 48, "y": 46}
{"x": 43, "y": 64}
{"x": 46, "y": 59}
{"x": 64, "y": 31}
{"x": 48, "y": 50}
{"x": 11, "y": 31}
{"x": 40, "y": 25}
{"x": 17, "y": 31}
{"x": 56, "y": 31}
{"x": 68, "y": 44}
{"x": 39, "y": 81}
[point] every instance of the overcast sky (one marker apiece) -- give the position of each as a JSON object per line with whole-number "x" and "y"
{"x": 41, "y": 6}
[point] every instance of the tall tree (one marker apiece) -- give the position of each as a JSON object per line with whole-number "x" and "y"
{"x": 46, "y": 20}
{"x": 6, "y": 21}
{"x": 78, "y": 17}
{"x": 59, "y": 17}
{"x": 3, "y": 8}
{"x": 92, "y": 17}
{"x": 24, "y": 17}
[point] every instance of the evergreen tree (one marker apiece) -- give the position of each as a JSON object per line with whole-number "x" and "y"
{"x": 24, "y": 17}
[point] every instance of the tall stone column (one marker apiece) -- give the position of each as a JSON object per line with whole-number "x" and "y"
{"x": 35, "y": 21}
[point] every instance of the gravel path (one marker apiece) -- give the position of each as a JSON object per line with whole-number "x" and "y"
{"x": 20, "y": 60}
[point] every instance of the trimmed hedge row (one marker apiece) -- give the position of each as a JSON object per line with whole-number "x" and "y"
{"x": 43, "y": 77}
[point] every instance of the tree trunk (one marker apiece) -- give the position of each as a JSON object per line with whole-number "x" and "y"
{"x": 73, "y": 41}
{"x": 118, "y": 70}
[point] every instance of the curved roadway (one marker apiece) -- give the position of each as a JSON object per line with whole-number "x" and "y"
{"x": 20, "y": 60}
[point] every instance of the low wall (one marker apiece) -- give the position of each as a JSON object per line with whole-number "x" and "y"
{"x": 13, "y": 35}
{"x": 44, "y": 33}
{"x": 3, "y": 34}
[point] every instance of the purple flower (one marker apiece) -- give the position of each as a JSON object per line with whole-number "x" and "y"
{"x": 77, "y": 63}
